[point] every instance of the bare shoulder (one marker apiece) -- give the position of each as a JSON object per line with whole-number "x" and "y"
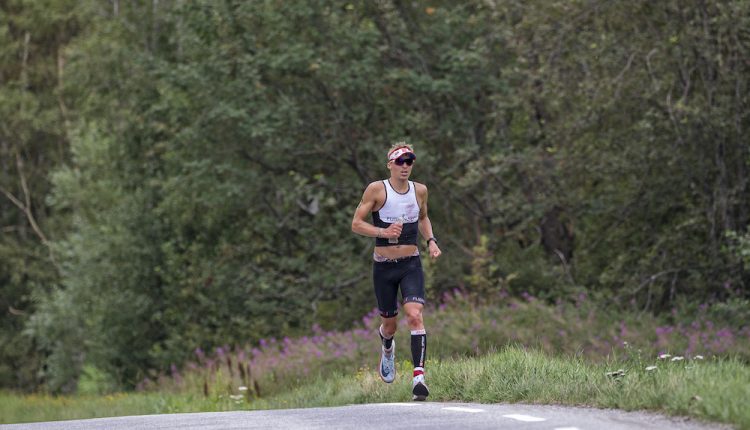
{"x": 420, "y": 189}
{"x": 374, "y": 188}
{"x": 374, "y": 192}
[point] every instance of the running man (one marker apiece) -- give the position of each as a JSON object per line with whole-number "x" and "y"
{"x": 399, "y": 210}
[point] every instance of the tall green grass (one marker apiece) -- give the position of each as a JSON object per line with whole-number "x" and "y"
{"x": 460, "y": 327}
{"x": 713, "y": 390}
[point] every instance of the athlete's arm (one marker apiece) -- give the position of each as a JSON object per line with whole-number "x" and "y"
{"x": 425, "y": 225}
{"x": 365, "y": 207}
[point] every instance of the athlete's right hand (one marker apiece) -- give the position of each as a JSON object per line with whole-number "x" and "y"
{"x": 393, "y": 231}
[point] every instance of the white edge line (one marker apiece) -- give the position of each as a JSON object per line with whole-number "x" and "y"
{"x": 525, "y": 418}
{"x": 460, "y": 409}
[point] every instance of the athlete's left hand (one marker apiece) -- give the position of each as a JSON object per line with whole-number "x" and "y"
{"x": 434, "y": 250}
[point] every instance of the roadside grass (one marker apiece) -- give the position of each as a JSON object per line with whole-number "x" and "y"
{"x": 508, "y": 350}
{"x": 460, "y": 327}
{"x": 15, "y": 408}
{"x": 713, "y": 389}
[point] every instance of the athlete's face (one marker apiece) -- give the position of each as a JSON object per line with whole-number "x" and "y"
{"x": 401, "y": 167}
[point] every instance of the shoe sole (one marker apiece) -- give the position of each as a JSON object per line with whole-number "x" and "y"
{"x": 381, "y": 375}
{"x": 420, "y": 392}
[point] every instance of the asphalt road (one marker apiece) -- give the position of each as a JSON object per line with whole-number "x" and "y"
{"x": 392, "y": 416}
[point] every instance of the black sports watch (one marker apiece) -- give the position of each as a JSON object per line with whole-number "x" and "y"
{"x": 432, "y": 238}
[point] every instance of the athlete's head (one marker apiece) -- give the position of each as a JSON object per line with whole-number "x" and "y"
{"x": 400, "y": 160}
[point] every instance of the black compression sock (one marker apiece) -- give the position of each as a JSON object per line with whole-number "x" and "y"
{"x": 418, "y": 347}
{"x": 387, "y": 342}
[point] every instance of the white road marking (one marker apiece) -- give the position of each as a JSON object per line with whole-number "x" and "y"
{"x": 460, "y": 409}
{"x": 526, "y": 418}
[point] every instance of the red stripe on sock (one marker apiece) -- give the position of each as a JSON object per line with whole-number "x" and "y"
{"x": 418, "y": 372}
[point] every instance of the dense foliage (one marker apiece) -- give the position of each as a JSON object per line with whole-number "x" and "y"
{"x": 182, "y": 174}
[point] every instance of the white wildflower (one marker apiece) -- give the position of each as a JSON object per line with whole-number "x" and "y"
{"x": 236, "y": 396}
{"x": 664, "y": 356}
{"x": 698, "y": 357}
{"x": 650, "y": 368}
{"x": 616, "y": 373}
{"x": 678, "y": 358}
{"x": 242, "y": 388}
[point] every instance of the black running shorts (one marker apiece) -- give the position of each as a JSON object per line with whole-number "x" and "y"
{"x": 388, "y": 276}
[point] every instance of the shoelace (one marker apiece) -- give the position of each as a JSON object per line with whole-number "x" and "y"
{"x": 388, "y": 363}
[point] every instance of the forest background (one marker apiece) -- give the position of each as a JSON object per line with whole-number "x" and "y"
{"x": 182, "y": 174}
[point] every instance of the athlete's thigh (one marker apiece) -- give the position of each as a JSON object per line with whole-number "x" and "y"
{"x": 386, "y": 288}
{"x": 412, "y": 282}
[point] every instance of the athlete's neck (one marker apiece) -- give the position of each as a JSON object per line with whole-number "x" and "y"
{"x": 398, "y": 184}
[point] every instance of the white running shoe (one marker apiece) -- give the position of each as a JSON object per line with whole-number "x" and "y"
{"x": 387, "y": 368}
{"x": 419, "y": 388}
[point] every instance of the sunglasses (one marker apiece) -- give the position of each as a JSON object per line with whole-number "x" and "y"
{"x": 401, "y": 161}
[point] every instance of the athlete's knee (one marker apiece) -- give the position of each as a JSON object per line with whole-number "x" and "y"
{"x": 389, "y": 326}
{"x": 413, "y": 315}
